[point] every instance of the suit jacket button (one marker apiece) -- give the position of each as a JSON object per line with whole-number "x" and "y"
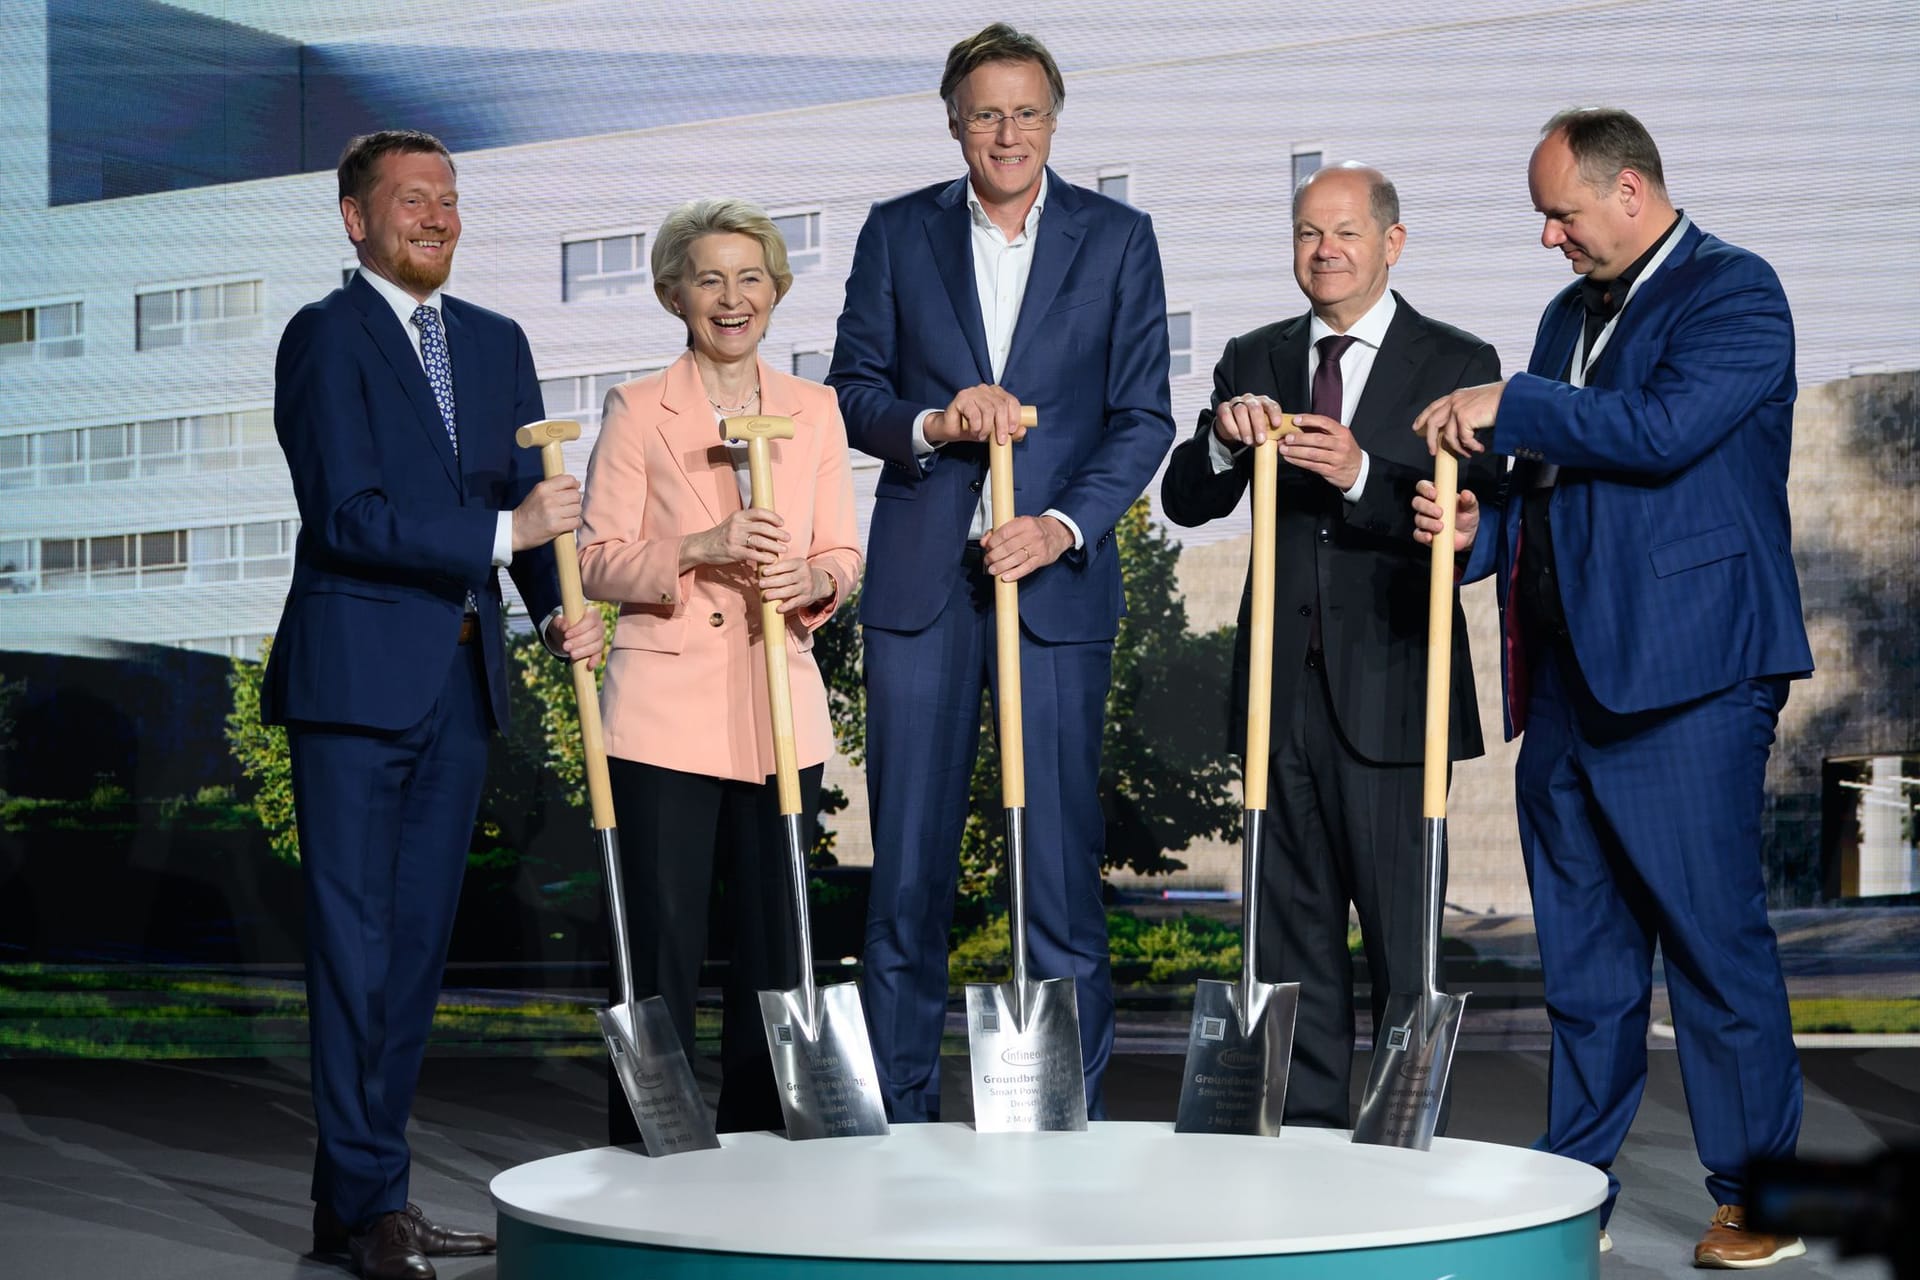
{"x": 975, "y": 486}
{"x": 1306, "y": 611}
{"x": 1325, "y": 537}
{"x": 715, "y": 620}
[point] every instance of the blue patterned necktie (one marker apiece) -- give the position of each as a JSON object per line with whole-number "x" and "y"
{"x": 433, "y": 354}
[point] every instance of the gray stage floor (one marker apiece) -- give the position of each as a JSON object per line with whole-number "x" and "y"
{"x": 199, "y": 1169}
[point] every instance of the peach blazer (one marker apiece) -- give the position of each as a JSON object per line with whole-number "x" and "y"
{"x": 686, "y": 684}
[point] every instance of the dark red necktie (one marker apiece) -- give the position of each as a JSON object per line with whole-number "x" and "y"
{"x": 1328, "y": 392}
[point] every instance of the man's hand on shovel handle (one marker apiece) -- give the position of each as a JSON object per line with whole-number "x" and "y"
{"x": 586, "y": 638}
{"x": 1426, "y": 516}
{"x": 553, "y": 508}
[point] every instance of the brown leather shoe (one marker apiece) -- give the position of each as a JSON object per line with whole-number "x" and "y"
{"x": 437, "y": 1241}
{"x": 1729, "y": 1246}
{"x": 330, "y": 1235}
{"x": 386, "y": 1251}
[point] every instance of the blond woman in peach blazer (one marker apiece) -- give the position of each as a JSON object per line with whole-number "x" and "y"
{"x": 666, "y": 532}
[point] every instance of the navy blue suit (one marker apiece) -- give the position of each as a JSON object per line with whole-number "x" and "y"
{"x": 1089, "y": 350}
{"x": 387, "y": 712}
{"x": 1648, "y": 723}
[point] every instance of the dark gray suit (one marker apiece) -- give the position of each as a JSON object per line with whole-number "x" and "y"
{"x": 1348, "y": 724}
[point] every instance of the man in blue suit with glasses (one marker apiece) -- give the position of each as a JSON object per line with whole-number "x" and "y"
{"x": 1652, "y": 624}
{"x": 966, "y": 300}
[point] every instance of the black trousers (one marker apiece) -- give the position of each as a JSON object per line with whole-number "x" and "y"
{"x": 680, "y": 834}
{"x": 1340, "y": 829}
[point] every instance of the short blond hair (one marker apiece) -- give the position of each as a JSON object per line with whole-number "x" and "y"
{"x": 673, "y": 243}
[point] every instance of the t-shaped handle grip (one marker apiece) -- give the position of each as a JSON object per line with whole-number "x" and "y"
{"x": 538, "y": 435}
{"x": 758, "y": 426}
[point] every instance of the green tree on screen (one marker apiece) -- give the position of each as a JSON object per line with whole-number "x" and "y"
{"x": 1165, "y": 776}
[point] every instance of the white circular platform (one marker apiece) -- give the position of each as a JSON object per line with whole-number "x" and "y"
{"x": 940, "y": 1195}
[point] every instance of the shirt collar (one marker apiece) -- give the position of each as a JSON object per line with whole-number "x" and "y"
{"x": 402, "y": 302}
{"x": 979, "y": 211}
{"x": 1604, "y": 298}
{"x": 1370, "y": 328}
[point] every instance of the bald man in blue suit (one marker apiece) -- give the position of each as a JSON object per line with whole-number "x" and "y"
{"x": 1652, "y": 624}
{"x": 967, "y": 299}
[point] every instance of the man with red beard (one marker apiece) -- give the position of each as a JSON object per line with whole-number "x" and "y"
{"x": 396, "y": 407}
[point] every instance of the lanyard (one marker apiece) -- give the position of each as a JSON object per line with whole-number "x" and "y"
{"x": 1582, "y": 360}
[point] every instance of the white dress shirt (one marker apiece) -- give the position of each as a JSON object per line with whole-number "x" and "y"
{"x": 1356, "y": 365}
{"x": 1000, "y": 270}
{"x": 737, "y": 455}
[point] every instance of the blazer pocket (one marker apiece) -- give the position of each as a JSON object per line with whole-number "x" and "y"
{"x": 1697, "y": 549}
{"x": 652, "y": 632}
{"x": 1078, "y": 298}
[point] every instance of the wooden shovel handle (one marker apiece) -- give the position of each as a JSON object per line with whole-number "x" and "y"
{"x": 1006, "y": 628}
{"x": 548, "y": 437}
{"x": 773, "y": 638}
{"x": 1446, "y": 482}
{"x": 1266, "y": 469}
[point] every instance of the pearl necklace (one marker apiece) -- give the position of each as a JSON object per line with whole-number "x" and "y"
{"x": 728, "y": 411}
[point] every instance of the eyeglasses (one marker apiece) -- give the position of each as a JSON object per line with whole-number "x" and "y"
{"x": 1027, "y": 119}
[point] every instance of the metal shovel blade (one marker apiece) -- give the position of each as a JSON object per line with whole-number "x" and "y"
{"x": 653, "y": 1073}
{"x": 646, "y": 1052}
{"x": 1411, "y": 1062}
{"x": 1238, "y": 1056}
{"x": 823, "y": 1063}
{"x": 1240, "y": 1046}
{"x": 817, "y": 1036}
{"x": 1027, "y": 1076}
{"x": 1413, "y": 1045}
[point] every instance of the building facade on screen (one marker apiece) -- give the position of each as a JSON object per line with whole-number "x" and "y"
{"x": 167, "y": 202}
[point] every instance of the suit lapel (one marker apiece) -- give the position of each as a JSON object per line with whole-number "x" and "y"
{"x": 1056, "y": 243}
{"x": 396, "y": 348}
{"x": 1554, "y": 351}
{"x": 950, "y": 236}
{"x": 694, "y": 440}
{"x": 1288, "y": 356}
{"x": 467, "y": 361}
{"x": 1391, "y": 376}
{"x": 1651, "y": 296}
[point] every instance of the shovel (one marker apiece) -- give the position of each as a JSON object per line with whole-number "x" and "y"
{"x": 1240, "y": 1046}
{"x": 822, "y": 1059}
{"x": 1023, "y": 1036}
{"x": 1413, "y": 1045}
{"x": 647, "y": 1055}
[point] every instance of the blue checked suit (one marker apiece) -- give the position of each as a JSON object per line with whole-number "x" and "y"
{"x": 1641, "y": 777}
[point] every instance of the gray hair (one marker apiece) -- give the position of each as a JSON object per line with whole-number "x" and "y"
{"x": 1605, "y": 142}
{"x": 1383, "y": 198}
{"x": 673, "y": 242}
